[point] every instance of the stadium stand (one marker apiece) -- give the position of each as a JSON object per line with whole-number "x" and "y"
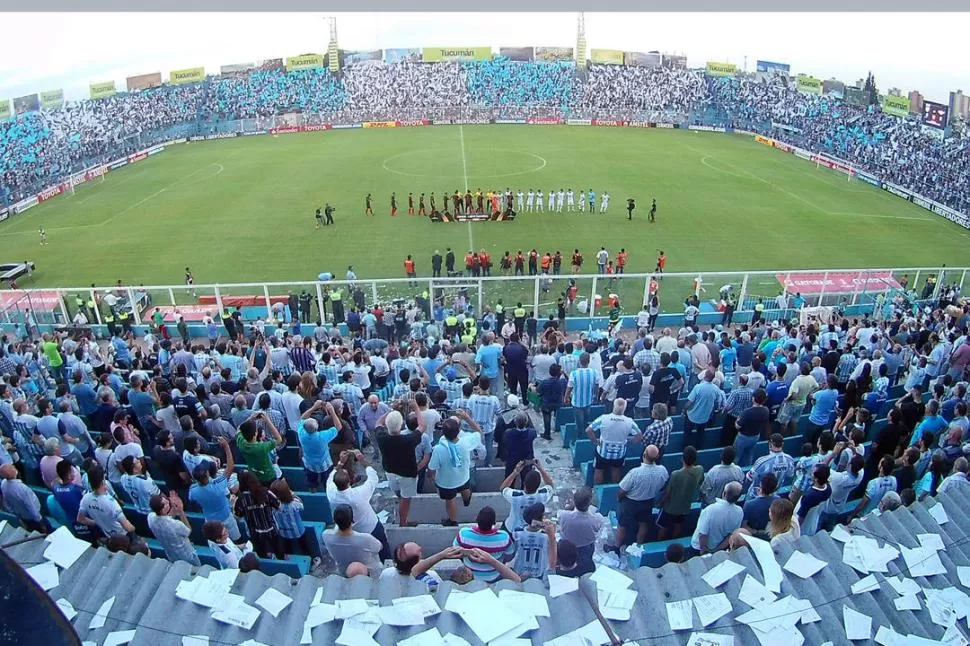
{"x": 38, "y": 149}
{"x": 102, "y": 438}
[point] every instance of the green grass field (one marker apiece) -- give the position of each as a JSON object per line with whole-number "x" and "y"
{"x": 241, "y": 210}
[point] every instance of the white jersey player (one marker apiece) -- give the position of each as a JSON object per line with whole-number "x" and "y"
{"x": 582, "y": 200}
{"x": 560, "y": 200}
{"x": 552, "y": 201}
{"x": 605, "y": 202}
{"x": 539, "y": 203}
{"x": 570, "y": 200}
{"x": 520, "y": 197}
{"x": 530, "y": 200}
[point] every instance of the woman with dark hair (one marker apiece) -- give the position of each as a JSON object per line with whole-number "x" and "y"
{"x": 930, "y": 482}
{"x": 256, "y": 504}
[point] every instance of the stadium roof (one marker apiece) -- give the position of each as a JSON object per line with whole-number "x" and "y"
{"x": 145, "y": 600}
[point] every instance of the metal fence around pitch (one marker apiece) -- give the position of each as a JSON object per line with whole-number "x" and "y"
{"x": 583, "y": 295}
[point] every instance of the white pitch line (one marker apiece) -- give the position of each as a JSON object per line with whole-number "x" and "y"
{"x": 464, "y": 169}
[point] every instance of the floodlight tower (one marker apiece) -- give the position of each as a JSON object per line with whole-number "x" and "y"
{"x": 333, "y": 51}
{"x": 581, "y": 41}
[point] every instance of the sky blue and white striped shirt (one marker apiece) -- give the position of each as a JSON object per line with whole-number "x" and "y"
{"x": 584, "y": 383}
{"x": 485, "y": 410}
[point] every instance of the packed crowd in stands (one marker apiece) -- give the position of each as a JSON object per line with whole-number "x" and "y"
{"x": 121, "y": 440}
{"x": 38, "y": 149}
{"x": 898, "y": 150}
{"x": 639, "y": 91}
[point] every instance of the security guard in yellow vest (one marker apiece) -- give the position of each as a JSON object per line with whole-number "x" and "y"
{"x": 337, "y": 299}
{"x": 109, "y": 320}
{"x": 125, "y": 318}
{"x": 468, "y": 338}
{"x": 228, "y": 323}
{"x": 499, "y": 317}
{"x": 451, "y": 325}
{"x": 519, "y": 314}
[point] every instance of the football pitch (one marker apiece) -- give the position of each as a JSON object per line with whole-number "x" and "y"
{"x": 241, "y": 210}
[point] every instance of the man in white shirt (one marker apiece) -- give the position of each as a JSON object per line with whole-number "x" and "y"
{"x": 539, "y": 202}
{"x": 605, "y": 202}
{"x": 520, "y": 200}
{"x": 340, "y": 492}
{"x": 291, "y": 402}
{"x": 530, "y": 201}
{"x": 718, "y": 521}
{"x": 570, "y": 200}
{"x": 602, "y": 257}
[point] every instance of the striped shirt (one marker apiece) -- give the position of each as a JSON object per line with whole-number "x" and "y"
{"x": 568, "y": 363}
{"x": 174, "y": 537}
{"x": 140, "y": 490}
{"x": 780, "y": 463}
{"x": 532, "y": 553}
{"x": 403, "y": 364}
{"x": 452, "y": 389}
{"x": 350, "y": 393}
{"x": 30, "y": 452}
{"x": 658, "y": 433}
{"x": 289, "y": 521}
{"x": 485, "y": 410}
{"x": 259, "y": 517}
{"x": 303, "y": 360}
{"x": 876, "y": 489}
{"x": 847, "y": 363}
{"x": 584, "y": 383}
{"x": 804, "y": 468}
{"x": 330, "y": 371}
{"x": 614, "y": 431}
{"x": 496, "y": 542}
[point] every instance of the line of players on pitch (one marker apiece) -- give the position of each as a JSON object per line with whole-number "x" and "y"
{"x": 478, "y": 201}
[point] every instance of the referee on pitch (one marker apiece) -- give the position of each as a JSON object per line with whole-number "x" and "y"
{"x": 630, "y": 205}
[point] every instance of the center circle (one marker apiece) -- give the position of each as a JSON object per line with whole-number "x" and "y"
{"x": 438, "y": 158}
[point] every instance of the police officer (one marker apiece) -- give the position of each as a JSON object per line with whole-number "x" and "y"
{"x": 519, "y": 317}
{"x": 499, "y": 316}
{"x": 336, "y": 299}
{"x": 228, "y": 323}
{"x": 109, "y": 320}
{"x": 125, "y": 317}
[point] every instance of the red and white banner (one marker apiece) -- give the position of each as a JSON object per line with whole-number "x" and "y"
{"x": 837, "y": 282}
{"x": 45, "y": 300}
{"x": 544, "y": 122}
{"x": 579, "y": 122}
{"x": 284, "y": 130}
{"x": 50, "y": 192}
{"x": 410, "y": 123}
{"x": 602, "y": 122}
{"x": 191, "y": 313}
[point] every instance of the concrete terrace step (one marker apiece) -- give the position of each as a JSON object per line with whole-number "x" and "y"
{"x": 430, "y": 509}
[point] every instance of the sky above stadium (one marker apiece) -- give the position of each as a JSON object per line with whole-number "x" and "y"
{"x": 925, "y": 52}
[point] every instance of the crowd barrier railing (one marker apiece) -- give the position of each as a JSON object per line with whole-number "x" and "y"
{"x": 588, "y": 299}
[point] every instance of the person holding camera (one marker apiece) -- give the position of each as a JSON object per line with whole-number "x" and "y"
{"x": 537, "y": 488}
